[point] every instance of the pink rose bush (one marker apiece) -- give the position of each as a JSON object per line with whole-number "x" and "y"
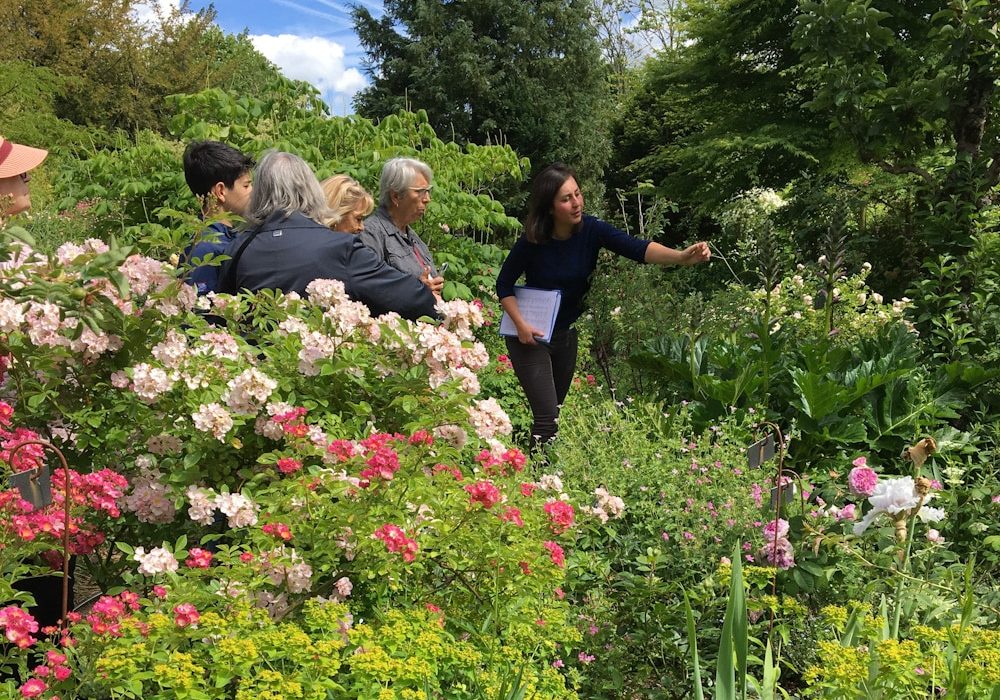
{"x": 324, "y": 461}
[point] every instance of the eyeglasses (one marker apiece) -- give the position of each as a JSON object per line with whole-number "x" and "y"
{"x": 422, "y": 191}
{"x": 25, "y": 177}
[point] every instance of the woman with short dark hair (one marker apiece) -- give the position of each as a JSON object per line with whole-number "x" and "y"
{"x": 558, "y": 250}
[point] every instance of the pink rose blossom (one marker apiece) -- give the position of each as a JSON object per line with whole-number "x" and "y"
{"x": 186, "y": 615}
{"x": 33, "y": 688}
{"x": 862, "y": 480}
{"x": 556, "y": 553}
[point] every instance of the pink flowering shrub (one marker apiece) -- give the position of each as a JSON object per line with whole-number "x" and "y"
{"x": 320, "y": 454}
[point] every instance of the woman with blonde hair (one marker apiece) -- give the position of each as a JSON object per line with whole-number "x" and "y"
{"x": 349, "y": 201}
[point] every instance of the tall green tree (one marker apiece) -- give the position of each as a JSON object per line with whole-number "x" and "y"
{"x": 912, "y": 85}
{"x": 889, "y": 103}
{"x": 113, "y": 72}
{"x": 722, "y": 112}
{"x": 528, "y": 73}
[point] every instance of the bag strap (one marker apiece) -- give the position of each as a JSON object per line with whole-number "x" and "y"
{"x": 227, "y": 285}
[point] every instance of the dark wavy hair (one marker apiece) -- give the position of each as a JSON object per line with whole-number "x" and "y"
{"x": 538, "y": 223}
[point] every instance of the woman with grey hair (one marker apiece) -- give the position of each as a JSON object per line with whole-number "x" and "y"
{"x": 285, "y": 246}
{"x": 404, "y": 192}
{"x": 285, "y": 182}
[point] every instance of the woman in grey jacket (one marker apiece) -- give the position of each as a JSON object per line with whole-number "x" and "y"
{"x": 404, "y": 192}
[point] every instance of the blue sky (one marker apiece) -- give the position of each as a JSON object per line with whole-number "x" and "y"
{"x": 314, "y": 40}
{"x": 310, "y": 40}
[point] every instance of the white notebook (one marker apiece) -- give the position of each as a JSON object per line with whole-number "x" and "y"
{"x": 538, "y": 307}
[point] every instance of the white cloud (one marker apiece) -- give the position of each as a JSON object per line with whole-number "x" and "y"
{"x": 150, "y": 14}
{"x": 314, "y": 59}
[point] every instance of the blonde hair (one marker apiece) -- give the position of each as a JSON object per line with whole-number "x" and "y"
{"x": 344, "y": 195}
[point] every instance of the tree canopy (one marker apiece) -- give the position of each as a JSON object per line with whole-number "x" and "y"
{"x": 529, "y": 74}
{"x": 100, "y": 66}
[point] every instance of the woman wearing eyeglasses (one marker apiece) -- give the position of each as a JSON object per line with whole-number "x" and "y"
{"x": 404, "y": 192}
{"x": 16, "y": 162}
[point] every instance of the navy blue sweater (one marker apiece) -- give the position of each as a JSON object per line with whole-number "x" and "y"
{"x": 566, "y": 265}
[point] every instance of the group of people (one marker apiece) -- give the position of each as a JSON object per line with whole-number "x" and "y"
{"x": 297, "y": 230}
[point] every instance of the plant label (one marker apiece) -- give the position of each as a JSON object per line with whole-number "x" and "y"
{"x": 787, "y": 495}
{"x": 760, "y": 451}
{"x": 34, "y": 485}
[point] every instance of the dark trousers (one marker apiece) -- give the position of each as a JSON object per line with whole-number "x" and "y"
{"x": 545, "y": 373}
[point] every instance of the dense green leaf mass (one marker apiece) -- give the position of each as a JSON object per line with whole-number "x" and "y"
{"x": 528, "y": 74}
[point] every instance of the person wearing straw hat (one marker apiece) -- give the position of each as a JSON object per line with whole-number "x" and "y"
{"x": 16, "y": 162}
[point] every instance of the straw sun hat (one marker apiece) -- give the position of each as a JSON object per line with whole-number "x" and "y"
{"x": 16, "y": 159}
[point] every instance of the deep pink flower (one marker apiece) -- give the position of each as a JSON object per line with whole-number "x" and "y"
{"x": 484, "y": 493}
{"x": 19, "y": 626}
{"x": 198, "y": 558}
{"x": 287, "y": 465}
{"x": 396, "y": 541}
{"x": 279, "y": 530}
{"x": 775, "y": 529}
{"x": 778, "y": 553}
{"x": 422, "y": 437}
{"x": 33, "y": 688}
{"x": 560, "y": 515}
{"x": 186, "y": 615}
{"x": 512, "y": 515}
{"x": 556, "y": 553}
{"x": 585, "y": 658}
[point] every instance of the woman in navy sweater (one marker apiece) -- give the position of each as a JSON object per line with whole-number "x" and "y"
{"x": 558, "y": 250}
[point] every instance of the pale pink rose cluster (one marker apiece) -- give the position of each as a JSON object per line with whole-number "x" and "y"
{"x": 461, "y": 317}
{"x": 285, "y": 565}
{"x": 452, "y": 434}
{"x": 316, "y": 346}
{"x": 607, "y": 506}
{"x": 145, "y": 274}
{"x": 67, "y": 253}
{"x": 489, "y": 419}
{"x": 327, "y": 293}
{"x": 202, "y": 505}
{"x": 172, "y": 350}
{"x": 247, "y": 392}
{"x": 218, "y": 344}
{"x": 11, "y": 316}
{"x": 550, "y": 482}
{"x": 240, "y": 510}
{"x": 150, "y": 499}
{"x": 157, "y": 561}
{"x": 149, "y": 382}
{"x": 347, "y": 316}
{"x": 213, "y": 418}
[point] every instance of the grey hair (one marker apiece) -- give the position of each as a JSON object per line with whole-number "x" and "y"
{"x": 283, "y": 182}
{"x": 398, "y": 174}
